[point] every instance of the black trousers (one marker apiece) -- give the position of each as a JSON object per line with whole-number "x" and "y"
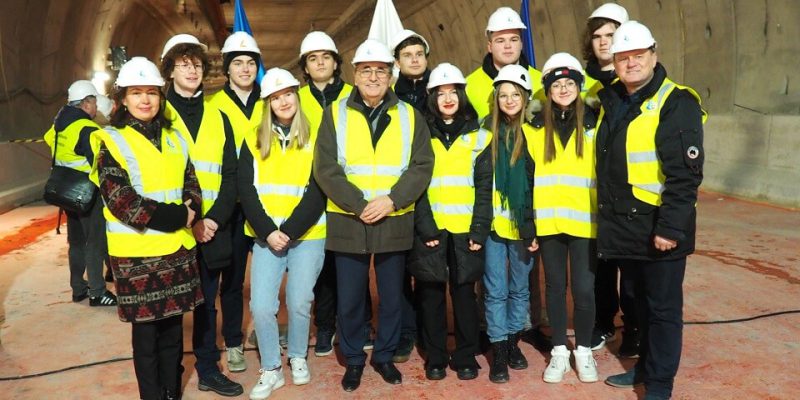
{"x": 433, "y": 310}
{"x": 157, "y": 355}
{"x": 352, "y": 273}
{"x": 658, "y": 289}
{"x": 581, "y": 252}
{"x": 88, "y": 249}
{"x": 608, "y": 300}
{"x": 325, "y": 297}
{"x": 408, "y": 324}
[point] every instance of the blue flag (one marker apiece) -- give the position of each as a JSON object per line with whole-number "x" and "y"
{"x": 240, "y": 24}
{"x": 527, "y": 36}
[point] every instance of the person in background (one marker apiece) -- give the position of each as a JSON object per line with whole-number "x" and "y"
{"x": 209, "y": 135}
{"x": 151, "y": 197}
{"x": 649, "y": 167}
{"x": 85, "y": 233}
{"x": 370, "y": 211}
{"x": 410, "y": 52}
{"x": 565, "y": 210}
{"x": 512, "y": 242}
{"x": 239, "y": 100}
{"x": 284, "y": 209}
{"x": 452, "y": 222}
{"x": 600, "y": 28}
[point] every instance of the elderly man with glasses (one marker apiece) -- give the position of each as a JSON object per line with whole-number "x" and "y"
{"x": 373, "y": 159}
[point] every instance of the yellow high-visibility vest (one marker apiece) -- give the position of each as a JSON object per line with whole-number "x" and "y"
{"x": 644, "y": 167}
{"x": 206, "y": 152}
{"x": 502, "y": 223}
{"x": 374, "y": 170}
{"x": 242, "y": 126}
{"x": 452, "y": 189}
{"x": 480, "y": 89}
{"x": 565, "y": 189}
{"x": 281, "y": 180}
{"x": 67, "y": 139}
{"x": 311, "y": 107}
{"x": 154, "y": 174}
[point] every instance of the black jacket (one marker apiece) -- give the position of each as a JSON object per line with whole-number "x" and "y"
{"x": 413, "y": 92}
{"x": 430, "y": 263}
{"x": 65, "y": 117}
{"x": 626, "y": 225}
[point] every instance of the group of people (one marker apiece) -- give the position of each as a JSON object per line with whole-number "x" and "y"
{"x": 439, "y": 181}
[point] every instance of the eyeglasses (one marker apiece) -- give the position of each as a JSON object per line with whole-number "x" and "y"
{"x": 366, "y": 73}
{"x": 188, "y": 67}
{"x": 570, "y": 85}
{"x": 513, "y": 97}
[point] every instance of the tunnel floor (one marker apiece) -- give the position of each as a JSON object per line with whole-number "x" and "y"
{"x": 747, "y": 265}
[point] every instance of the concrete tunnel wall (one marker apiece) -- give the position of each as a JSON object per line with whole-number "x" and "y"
{"x": 740, "y": 55}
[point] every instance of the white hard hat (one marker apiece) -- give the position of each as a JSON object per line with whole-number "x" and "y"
{"x": 504, "y": 18}
{"x": 139, "y": 71}
{"x": 561, "y": 60}
{"x": 79, "y": 90}
{"x": 612, "y": 11}
{"x": 316, "y": 41}
{"x": 179, "y": 39}
{"x": 105, "y": 106}
{"x": 372, "y": 50}
{"x": 631, "y": 36}
{"x": 405, "y": 34}
{"x": 275, "y": 80}
{"x": 240, "y": 41}
{"x": 446, "y": 74}
{"x": 514, "y": 73}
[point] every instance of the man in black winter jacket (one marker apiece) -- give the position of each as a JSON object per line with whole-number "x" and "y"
{"x": 649, "y": 167}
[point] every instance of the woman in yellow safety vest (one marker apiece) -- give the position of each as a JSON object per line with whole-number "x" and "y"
{"x": 510, "y": 247}
{"x": 565, "y": 206}
{"x": 151, "y": 196}
{"x": 452, "y": 221}
{"x": 284, "y": 210}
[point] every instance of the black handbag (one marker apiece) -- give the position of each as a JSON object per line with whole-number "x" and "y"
{"x": 69, "y": 188}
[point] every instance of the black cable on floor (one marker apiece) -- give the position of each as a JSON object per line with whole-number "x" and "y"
{"x": 113, "y": 360}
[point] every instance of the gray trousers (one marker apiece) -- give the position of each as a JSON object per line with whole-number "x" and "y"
{"x": 86, "y": 235}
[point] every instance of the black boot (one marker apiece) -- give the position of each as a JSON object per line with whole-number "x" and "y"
{"x": 498, "y": 369}
{"x": 516, "y": 360}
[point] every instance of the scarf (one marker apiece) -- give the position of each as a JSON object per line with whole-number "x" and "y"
{"x": 511, "y": 181}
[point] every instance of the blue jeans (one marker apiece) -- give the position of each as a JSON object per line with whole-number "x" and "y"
{"x": 506, "y": 291}
{"x": 303, "y": 261}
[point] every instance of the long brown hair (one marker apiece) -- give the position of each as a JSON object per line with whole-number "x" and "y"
{"x": 549, "y": 127}
{"x": 513, "y": 123}
{"x": 299, "y": 131}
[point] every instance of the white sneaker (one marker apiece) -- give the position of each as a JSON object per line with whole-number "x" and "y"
{"x": 558, "y": 366}
{"x": 267, "y": 382}
{"x": 236, "y": 362}
{"x": 300, "y": 373}
{"x": 585, "y": 364}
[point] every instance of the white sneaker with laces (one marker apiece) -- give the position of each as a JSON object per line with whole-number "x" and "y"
{"x": 558, "y": 366}
{"x": 585, "y": 364}
{"x": 236, "y": 362}
{"x": 300, "y": 373}
{"x": 267, "y": 382}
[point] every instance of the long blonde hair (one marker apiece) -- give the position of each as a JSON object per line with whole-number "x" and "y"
{"x": 549, "y": 128}
{"x": 299, "y": 131}
{"x": 514, "y": 123}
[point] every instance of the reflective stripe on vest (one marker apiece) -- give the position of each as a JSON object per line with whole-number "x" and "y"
{"x": 452, "y": 189}
{"x": 205, "y": 151}
{"x": 374, "y": 170}
{"x": 281, "y": 181}
{"x": 157, "y": 175}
